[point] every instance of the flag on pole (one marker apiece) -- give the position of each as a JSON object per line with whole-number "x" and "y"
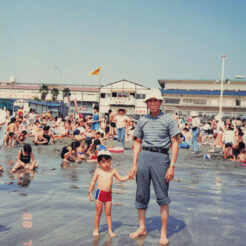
{"x": 95, "y": 72}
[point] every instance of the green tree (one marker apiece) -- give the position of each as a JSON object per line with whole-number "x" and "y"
{"x": 54, "y": 92}
{"x": 44, "y": 89}
{"x": 66, "y": 92}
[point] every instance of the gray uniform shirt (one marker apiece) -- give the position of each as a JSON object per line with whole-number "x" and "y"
{"x": 156, "y": 131}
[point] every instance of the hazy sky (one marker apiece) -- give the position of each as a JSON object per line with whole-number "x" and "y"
{"x": 138, "y": 40}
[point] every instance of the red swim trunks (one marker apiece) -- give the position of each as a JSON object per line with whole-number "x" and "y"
{"x": 103, "y": 196}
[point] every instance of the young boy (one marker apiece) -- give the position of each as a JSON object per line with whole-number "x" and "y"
{"x": 104, "y": 178}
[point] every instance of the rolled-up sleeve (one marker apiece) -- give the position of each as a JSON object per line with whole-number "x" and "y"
{"x": 173, "y": 128}
{"x": 138, "y": 132}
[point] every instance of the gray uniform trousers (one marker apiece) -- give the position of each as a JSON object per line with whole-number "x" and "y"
{"x": 152, "y": 166}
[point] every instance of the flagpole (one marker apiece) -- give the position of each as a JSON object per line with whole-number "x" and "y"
{"x": 100, "y": 85}
{"x": 100, "y": 79}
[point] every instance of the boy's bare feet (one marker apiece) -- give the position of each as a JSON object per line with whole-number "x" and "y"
{"x": 95, "y": 234}
{"x": 138, "y": 232}
{"x": 111, "y": 234}
{"x": 163, "y": 239}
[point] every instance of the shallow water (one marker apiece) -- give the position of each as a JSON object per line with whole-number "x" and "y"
{"x": 50, "y": 206}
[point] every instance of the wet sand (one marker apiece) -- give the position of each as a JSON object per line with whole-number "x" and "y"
{"x": 207, "y": 208}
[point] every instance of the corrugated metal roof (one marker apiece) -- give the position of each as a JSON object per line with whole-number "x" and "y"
{"x": 198, "y": 81}
{"x": 203, "y": 92}
{"x": 45, "y": 103}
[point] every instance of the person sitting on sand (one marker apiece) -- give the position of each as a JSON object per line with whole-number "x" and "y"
{"x": 44, "y": 137}
{"x": 103, "y": 176}
{"x": 36, "y": 128}
{"x": 93, "y": 146}
{"x": 81, "y": 151}
{"x": 69, "y": 153}
{"x": 21, "y": 137}
{"x": 238, "y": 136}
{"x": 187, "y": 134}
{"x": 242, "y": 156}
{"x": 25, "y": 159}
{"x": 236, "y": 149}
{"x": 228, "y": 155}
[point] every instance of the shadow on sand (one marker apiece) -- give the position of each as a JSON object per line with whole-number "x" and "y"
{"x": 4, "y": 228}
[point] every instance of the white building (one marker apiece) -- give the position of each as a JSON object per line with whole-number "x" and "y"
{"x": 123, "y": 94}
{"x": 203, "y": 96}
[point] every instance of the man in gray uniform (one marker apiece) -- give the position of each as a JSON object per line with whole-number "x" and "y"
{"x": 154, "y": 135}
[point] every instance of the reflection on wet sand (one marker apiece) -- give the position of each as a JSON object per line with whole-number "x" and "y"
{"x": 25, "y": 177}
{"x": 107, "y": 243}
{"x": 201, "y": 195}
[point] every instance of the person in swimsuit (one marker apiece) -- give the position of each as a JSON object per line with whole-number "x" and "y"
{"x": 21, "y": 137}
{"x": 68, "y": 153}
{"x": 92, "y": 151}
{"x": 81, "y": 151}
{"x": 25, "y": 159}
{"x": 10, "y": 132}
{"x": 44, "y": 137}
{"x": 228, "y": 155}
{"x": 112, "y": 126}
{"x": 103, "y": 176}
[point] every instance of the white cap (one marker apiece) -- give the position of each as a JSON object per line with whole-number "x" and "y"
{"x": 153, "y": 93}
{"x": 103, "y": 152}
{"x": 193, "y": 113}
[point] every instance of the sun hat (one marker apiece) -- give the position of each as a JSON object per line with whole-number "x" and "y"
{"x": 103, "y": 152}
{"x": 153, "y": 93}
{"x": 193, "y": 113}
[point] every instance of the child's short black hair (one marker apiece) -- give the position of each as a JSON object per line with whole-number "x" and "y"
{"x": 46, "y": 128}
{"x": 98, "y": 133}
{"x": 13, "y": 119}
{"x": 96, "y": 108}
{"x": 97, "y": 142}
{"x": 24, "y": 132}
{"x": 101, "y": 157}
{"x": 228, "y": 145}
{"x": 27, "y": 148}
{"x": 241, "y": 145}
{"x": 75, "y": 144}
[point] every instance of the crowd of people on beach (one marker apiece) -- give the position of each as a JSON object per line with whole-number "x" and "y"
{"x": 153, "y": 135}
{"x": 227, "y": 135}
{"x": 89, "y": 133}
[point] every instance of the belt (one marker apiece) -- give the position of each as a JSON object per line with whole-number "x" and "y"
{"x": 156, "y": 149}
